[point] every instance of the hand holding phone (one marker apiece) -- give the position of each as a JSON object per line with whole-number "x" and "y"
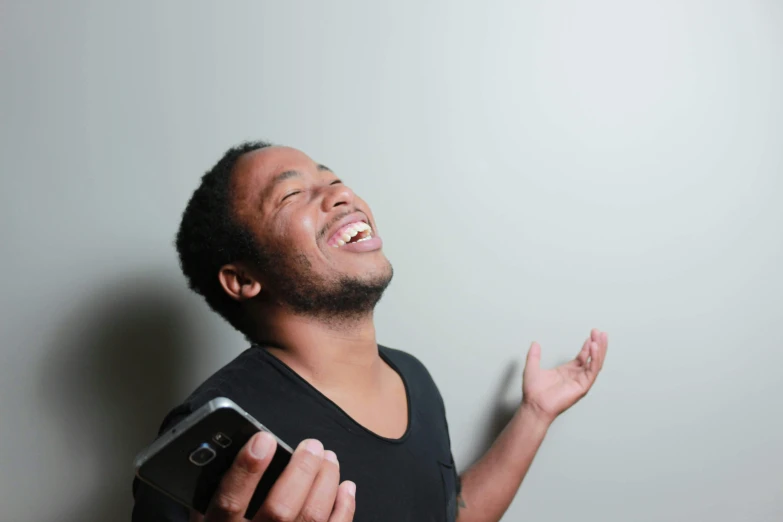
{"x": 307, "y": 489}
{"x": 222, "y": 462}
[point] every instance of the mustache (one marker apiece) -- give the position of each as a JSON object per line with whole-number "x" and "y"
{"x": 333, "y": 221}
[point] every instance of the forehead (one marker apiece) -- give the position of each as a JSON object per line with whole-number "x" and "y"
{"x": 258, "y": 168}
{"x": 255, "y": 172}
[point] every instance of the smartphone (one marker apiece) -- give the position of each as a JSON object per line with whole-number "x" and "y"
{"x": 188, "y": 461}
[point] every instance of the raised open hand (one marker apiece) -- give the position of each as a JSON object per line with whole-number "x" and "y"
{"x": 551, "y": 392}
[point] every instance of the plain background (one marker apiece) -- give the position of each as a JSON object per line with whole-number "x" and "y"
{"x": 536, "y": 169}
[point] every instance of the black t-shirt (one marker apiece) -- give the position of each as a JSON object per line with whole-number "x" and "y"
{"x": 412, "y": 478}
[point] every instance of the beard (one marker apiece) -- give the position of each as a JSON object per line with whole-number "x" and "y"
{"x": 339, "y": 299}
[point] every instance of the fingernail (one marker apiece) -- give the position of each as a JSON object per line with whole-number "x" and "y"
{"x": 313, "y": 446}
{"x": 331, "y": 456}
{"x": 351, "y": 488}
{"x": 262, "y": 445}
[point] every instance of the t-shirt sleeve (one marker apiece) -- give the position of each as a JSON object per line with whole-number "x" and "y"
{"x": 454, "y": 497}
{"x": 454, "y": 500}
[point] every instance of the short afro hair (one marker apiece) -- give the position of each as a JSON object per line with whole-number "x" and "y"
{"x": 210, "y": 237}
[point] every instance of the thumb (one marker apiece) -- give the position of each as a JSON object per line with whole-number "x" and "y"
{"x": 533, "y": 357}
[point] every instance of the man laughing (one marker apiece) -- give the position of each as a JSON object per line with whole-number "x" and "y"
{"x": 284, "y": 251}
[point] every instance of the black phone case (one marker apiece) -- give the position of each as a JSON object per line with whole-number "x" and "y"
{"x": 171, "y": 470}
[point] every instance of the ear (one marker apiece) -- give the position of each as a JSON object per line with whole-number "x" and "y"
{"x": 238, "y": 282}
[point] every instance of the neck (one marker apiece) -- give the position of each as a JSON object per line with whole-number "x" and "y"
{"x": 328, "y": 353}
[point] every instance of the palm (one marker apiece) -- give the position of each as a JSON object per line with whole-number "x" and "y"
{"x": 553, "y": 391}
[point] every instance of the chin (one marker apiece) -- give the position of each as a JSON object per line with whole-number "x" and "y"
{"x": 380, "y": 274}
{"x": 383, "y": 269}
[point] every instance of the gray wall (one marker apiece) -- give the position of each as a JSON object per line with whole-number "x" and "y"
{"x": 537, "y": 168}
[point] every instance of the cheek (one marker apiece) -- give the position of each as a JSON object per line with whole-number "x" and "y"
{"x": 297, "y": 231}
{"x": 307, "y": 227}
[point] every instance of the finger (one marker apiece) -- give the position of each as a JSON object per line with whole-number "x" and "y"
{"x": 287, "y": 496}
{"x": 584, "y": 353}
{"x": 319, "y": 503}
{"x": 345, "y": 503}
{"x": 602, "y": 339}
{"x": 593, "y": 368}
{"x": 236, "y": 488}
{"x": 602, "y": 342}
{"x": 595, "y": 335}
{"x": 533, "y": 357}
{"x": 195, "y": 516}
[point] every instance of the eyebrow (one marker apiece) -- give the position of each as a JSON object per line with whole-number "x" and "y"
{"x": 289, "y": 174}
{"x": 283, "y": 176}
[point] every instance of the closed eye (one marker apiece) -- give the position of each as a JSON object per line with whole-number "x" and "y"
{"x": 295, "y": 192}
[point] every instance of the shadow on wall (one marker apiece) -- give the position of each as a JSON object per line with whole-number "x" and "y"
{"x": 504, "y": 405}
{"x": 502, "y": 411}
{"x": 119, "y": 364}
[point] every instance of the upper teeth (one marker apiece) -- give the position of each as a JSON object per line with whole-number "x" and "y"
{"x": 351, "y": 231}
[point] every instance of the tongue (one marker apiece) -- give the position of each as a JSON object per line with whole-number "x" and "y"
{"x": 357, "y": 237}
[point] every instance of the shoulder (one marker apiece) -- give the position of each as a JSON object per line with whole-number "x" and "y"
{"x": 234, "y": 381}
{"x": 405, "y": 361}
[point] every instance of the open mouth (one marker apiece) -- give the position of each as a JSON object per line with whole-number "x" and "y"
{"x": 355, "y": 232}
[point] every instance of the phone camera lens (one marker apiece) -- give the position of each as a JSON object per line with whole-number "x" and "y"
{"x": 222, "y": 440}
{"x": 202, "y": 455}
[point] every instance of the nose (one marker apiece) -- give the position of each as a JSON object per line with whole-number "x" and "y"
{"x": 337, "y": 195}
